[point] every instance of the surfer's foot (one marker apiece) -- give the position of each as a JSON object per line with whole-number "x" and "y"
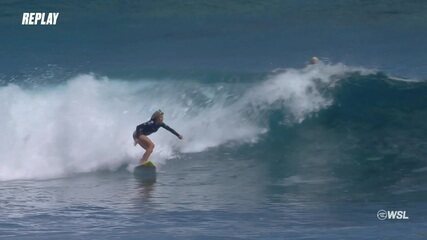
{"x": 143, "y": 162}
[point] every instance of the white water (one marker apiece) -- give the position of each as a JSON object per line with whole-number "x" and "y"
{"x": 86, "y": 124}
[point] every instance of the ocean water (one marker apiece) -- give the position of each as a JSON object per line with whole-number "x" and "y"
{"x": 273, "y": 148}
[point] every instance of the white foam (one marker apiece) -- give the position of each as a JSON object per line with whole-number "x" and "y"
{"x": 300, "y": 91}
{"x": 86, "y": 124}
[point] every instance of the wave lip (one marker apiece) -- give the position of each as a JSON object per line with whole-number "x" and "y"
{"x": 85, "y": 124}
{"x": 300, "y": 91}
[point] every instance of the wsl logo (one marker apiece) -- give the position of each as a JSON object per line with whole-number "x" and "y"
{"x": 39, "y": 18}
{"x": 392, "y": 215}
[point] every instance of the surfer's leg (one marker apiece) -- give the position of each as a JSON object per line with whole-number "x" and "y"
{"x": 148, "y": 145}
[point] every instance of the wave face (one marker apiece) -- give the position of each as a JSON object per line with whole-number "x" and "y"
{"x": 340, "y": 120}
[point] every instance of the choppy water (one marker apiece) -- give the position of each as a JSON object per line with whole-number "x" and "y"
{"x": 199, "y": 201}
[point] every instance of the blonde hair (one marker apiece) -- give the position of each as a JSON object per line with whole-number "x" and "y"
{"x": 156, "y": 115}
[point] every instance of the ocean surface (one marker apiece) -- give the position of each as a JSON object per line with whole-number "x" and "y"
{"x": 273, "y": 148}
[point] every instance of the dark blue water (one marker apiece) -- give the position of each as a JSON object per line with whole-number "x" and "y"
{"x": 273, "y": 148}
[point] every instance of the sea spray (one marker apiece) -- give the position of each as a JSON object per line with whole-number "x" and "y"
{"x": 86, "y": 124}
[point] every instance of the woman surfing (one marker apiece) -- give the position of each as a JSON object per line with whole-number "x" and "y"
{"x": 140, "y": 136}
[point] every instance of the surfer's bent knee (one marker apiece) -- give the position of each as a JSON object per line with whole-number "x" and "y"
{"x": 150, "y": 147}
{"x": 146, "y": 142}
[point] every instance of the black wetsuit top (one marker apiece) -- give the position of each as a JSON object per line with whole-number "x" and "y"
{"x": 150, "y": 127}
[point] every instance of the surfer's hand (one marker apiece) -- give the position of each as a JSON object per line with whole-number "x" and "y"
{"x": 180, "y": 137}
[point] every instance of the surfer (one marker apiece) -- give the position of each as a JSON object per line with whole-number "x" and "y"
{"x": 314, "y": 60}
{"x": 140, "y": 135}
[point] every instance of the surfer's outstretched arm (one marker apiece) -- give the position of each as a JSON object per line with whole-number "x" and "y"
{"x": 171, "y": 130}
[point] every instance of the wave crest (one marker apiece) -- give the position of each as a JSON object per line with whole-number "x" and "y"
{"x": 86, "y": 124}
